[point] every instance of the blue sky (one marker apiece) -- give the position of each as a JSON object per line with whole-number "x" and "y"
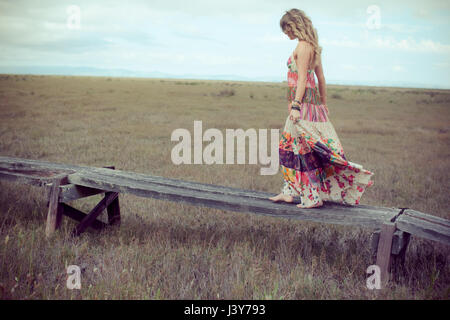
{"x": 409, "y": 45}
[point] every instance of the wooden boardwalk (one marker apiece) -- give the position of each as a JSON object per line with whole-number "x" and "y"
{"x": 70, "y": 182}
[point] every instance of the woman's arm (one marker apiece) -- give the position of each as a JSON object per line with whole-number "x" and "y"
{"x": 321, "y": 79}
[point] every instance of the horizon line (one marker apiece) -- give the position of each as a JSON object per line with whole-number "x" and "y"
{"x": 175, "y": 77}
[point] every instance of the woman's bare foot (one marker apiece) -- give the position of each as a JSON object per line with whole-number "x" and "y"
{"x": 306, "y": 207}
{"x": 282, "y": 197}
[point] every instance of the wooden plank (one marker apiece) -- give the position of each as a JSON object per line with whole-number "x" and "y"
{"x": 78, "y": 215}
{"x": 226, "y": 198}
{"x": 32, "y": 171}
{"x": 55, "y": 211}
{"x": 14, "y": 165}
{"x": 41, "y": 165}
{"x": 31, "y": 178}
{"x": 424, "y": 225}
{"x": 384, "y": 250}
{"x": 91, "y": 216}
{"x": 380, "y": 213}
{"x": 27, "y": 166}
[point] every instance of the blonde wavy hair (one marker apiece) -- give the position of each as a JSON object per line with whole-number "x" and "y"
{"x": 301, "y": 26}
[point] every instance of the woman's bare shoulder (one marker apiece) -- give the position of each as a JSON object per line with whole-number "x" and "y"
{"x": 303, "y": 47}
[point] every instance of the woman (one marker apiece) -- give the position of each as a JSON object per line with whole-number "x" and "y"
{"x": 312, "y": 159}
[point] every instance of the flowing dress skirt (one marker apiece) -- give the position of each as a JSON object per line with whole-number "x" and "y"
{"x": 313, "y": 162}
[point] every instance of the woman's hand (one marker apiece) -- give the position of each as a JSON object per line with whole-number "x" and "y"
{"x": 294, "y": 115}
{"x": 326, "y": 108}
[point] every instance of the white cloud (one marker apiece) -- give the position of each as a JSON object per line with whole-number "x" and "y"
{"x": 441, "y": 65}
{"x": 409, "y": 44}
{"x": 232, "y": 35}
{"x": 404, "y": 28}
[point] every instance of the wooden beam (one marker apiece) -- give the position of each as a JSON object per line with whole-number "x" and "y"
{"x": 209, "y": 195}
{"x": 78, "y": 215}
{"x": 32, "y": 172}
{"x": 400, "y": 241}
{"x": 226, "y": 198}
{"x": 384, "y": 250}
{"x": 223, "y": 198}
{"x": 31, "y": 178}
{"x": 424, "y": 225}
{"x": 91, "y": 216}
{"x": 113, "y": 211}
{"x": 11, "y": 165}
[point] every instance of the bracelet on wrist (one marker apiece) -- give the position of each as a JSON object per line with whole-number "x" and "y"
{"x": 295, "y": 107}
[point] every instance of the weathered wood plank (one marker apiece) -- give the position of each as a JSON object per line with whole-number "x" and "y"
{"x": 132, "y": 176}
{"x": 232, "y": 199}
{"x": 225, "y": 198}
{"x": 16, "y": 165}
{"x": 38, "y": 173}
{"x": 384, "y": 250}
{"x": 28, "y": 178}
{"x": 424, "y": 225}
{"x": 91, "y": 216}
{"x": 11, "y": 164}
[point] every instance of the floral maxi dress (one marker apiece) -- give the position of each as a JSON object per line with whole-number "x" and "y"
{"x": 312, "y": 159}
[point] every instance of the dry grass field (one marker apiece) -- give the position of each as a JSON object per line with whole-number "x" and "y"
{"x": 167, "y": 250}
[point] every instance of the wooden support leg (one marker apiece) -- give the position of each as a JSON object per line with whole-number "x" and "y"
{"x": 114, "y": 208}
{"x": 384, "y": 251}
{"x": 399, "y": 245}
{"x": 55, "y": 210}
{"x": 113, "y": 211}
{"x": 400, "y": 241}
{"x": 78, "y": 215}
{"x": 91, "y": 216}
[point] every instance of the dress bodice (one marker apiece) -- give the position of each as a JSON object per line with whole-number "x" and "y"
{"x": 292, "y": 78}
{"x": 292, "y": 66}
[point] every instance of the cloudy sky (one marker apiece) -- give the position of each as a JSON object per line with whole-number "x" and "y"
{"x": 401, "y": 42}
